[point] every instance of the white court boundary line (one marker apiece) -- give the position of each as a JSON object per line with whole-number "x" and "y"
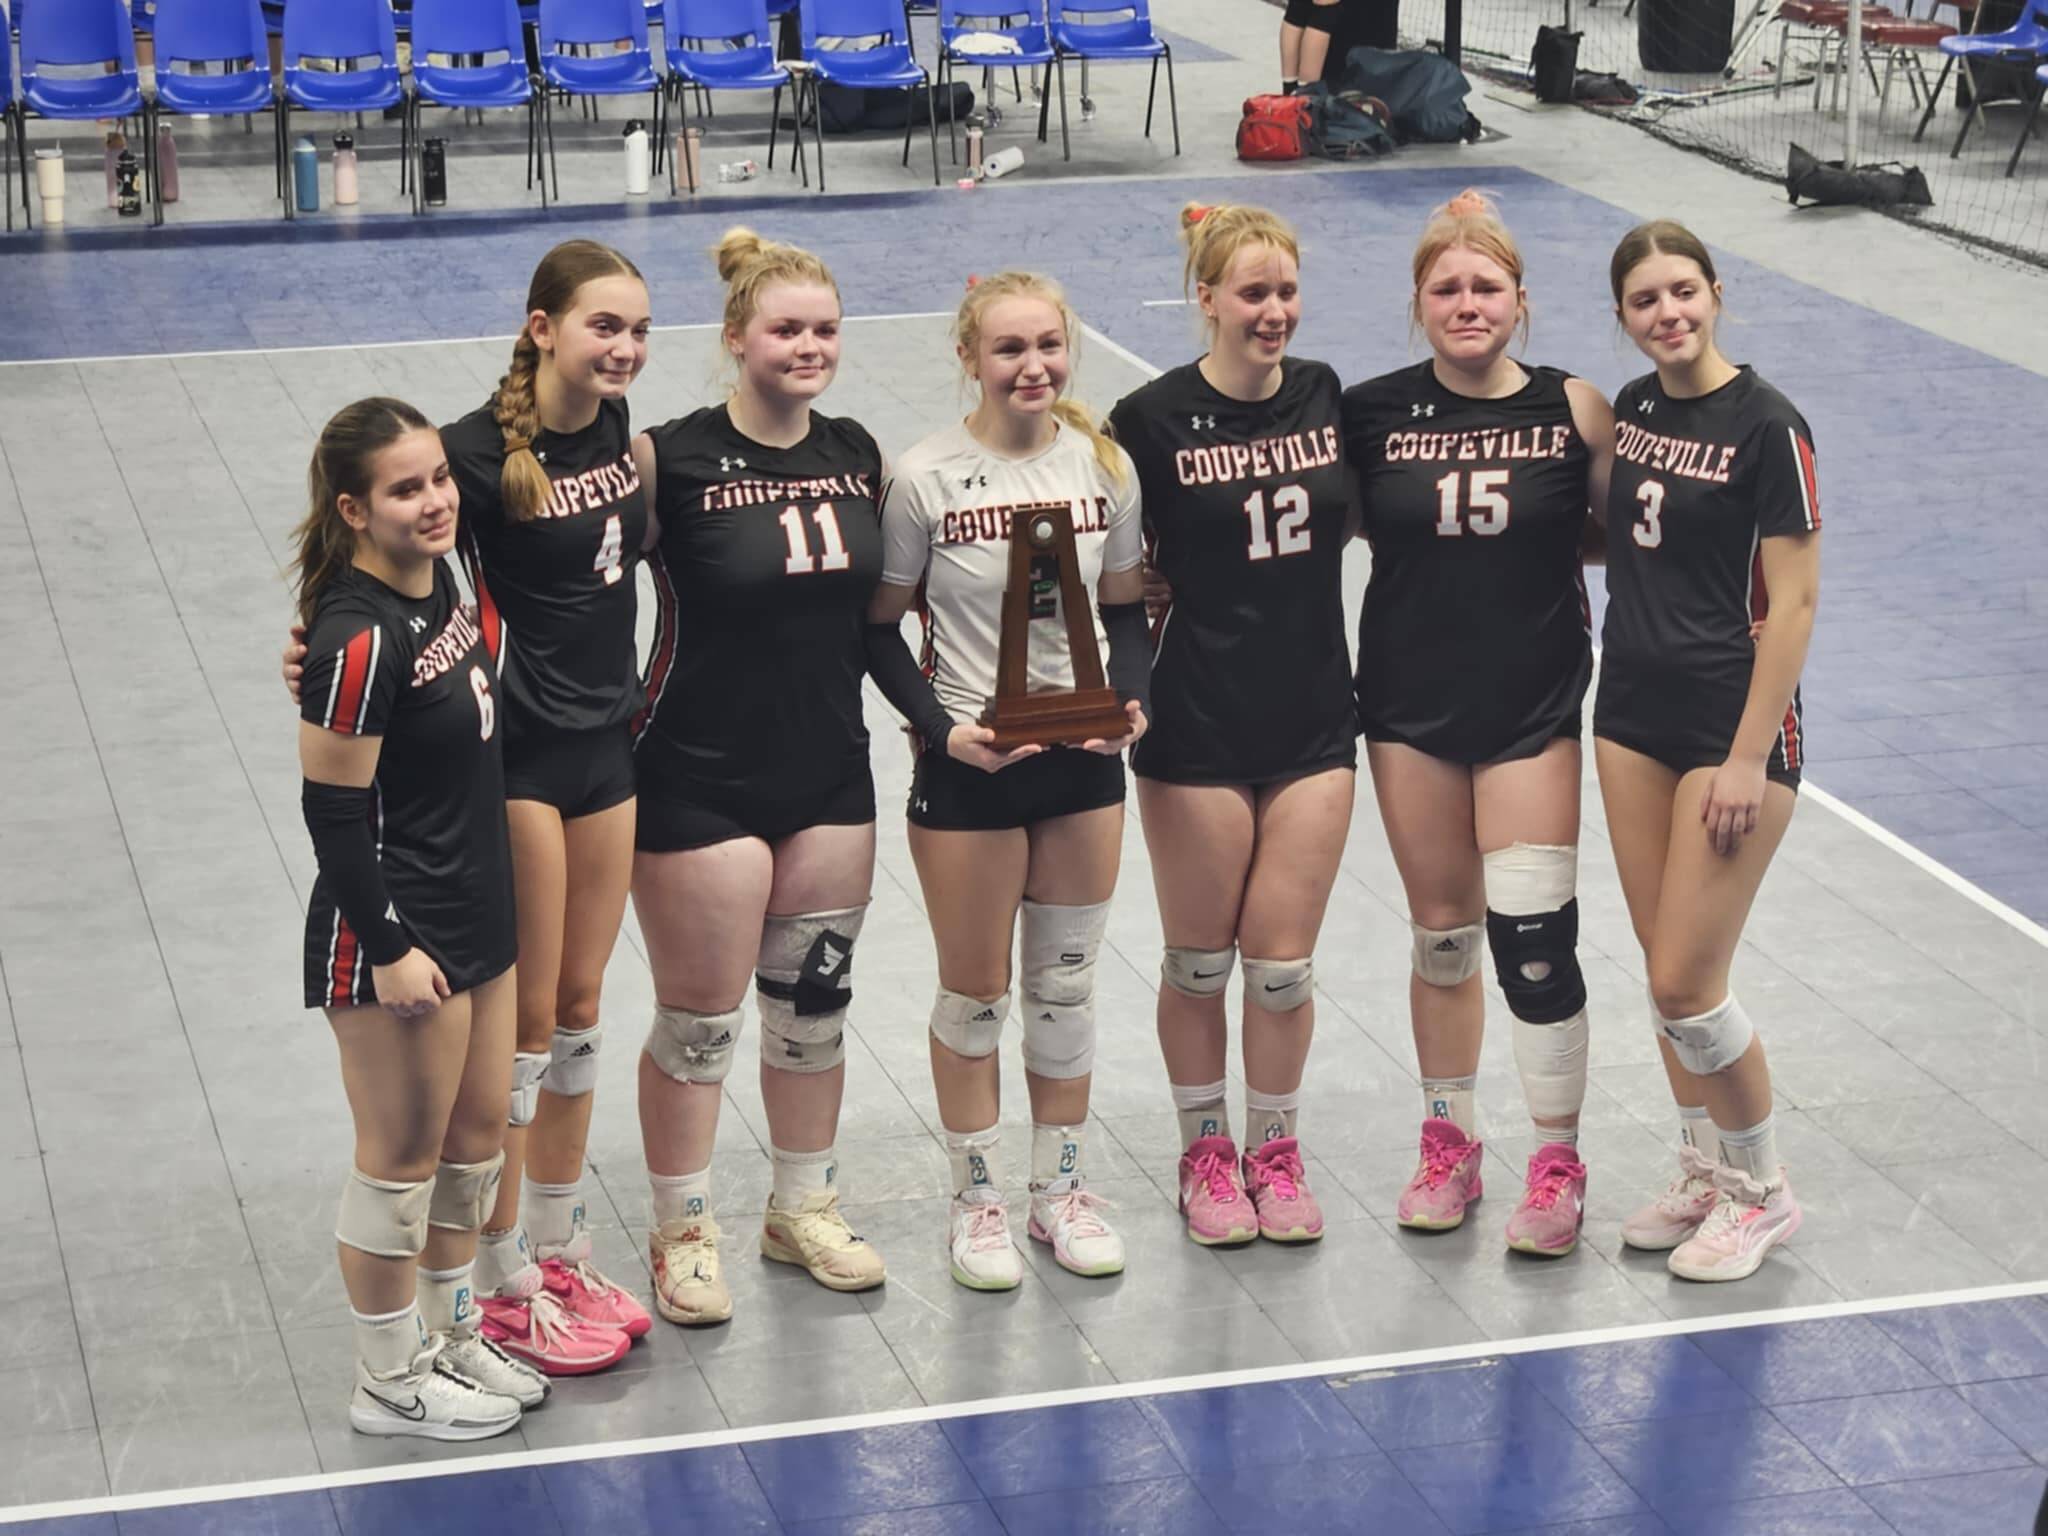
{"x": 1360, "y": 1365}
{"x": 1116, "y": 1391}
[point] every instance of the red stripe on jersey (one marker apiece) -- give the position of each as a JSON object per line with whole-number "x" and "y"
{"x": 662, "y": 659}
{"x": 488, "y": 619}
{"x": 343, "y": 971}
{"x": 1792, "y": 738}
{"x": 358, "y": 659}
{"x": 927, "y": 650}
{"x": 1808, "y": 484}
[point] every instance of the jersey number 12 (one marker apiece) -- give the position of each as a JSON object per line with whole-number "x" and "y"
{"x": 801, "y": 561}
{"x": 1289, "y": 533}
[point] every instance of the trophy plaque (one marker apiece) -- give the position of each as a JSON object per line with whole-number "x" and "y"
{"x": 1045, "y": 584}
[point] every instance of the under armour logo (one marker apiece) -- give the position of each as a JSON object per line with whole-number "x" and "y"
{"x": 1646, "y": 406}
{"x": 1421, "y": 410}
{"x": 419, "y": 625}
{"x": 1202, "y": 423}
{"x": 727, "y": 466}
{"x": 969, "y": 482}
{"x": 390, "y": 911}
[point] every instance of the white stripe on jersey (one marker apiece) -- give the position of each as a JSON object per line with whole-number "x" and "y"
{"x": 1799, "y": 453}
{"x": 334, "y": 687}
{"x": 333, "y": 945}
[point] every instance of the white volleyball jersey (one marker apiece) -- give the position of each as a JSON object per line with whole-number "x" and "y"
{"x": 946, "y": 524}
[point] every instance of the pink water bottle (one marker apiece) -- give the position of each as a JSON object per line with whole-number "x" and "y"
{"x": 166, "y": 163}
{"x": 345, "y": 188}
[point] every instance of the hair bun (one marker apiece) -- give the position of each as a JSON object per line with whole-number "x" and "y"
{"x": 735, "y": 248}
{"x": 1469, "y": 203}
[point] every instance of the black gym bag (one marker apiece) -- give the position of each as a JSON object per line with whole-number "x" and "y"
{"x": 1830, "y": 183}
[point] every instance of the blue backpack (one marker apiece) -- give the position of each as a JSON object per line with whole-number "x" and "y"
{"x": 1346, "y": 127}
{"x": 1424, "y": 92}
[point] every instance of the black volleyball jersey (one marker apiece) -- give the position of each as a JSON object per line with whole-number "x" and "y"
{"x": 1698, "y": 483}
{"x": 563, "y": 582}
{"x": 419, "y": 673}
{"x": 767, "y": 559}
{"x": 1245, "y": 502}
{"x": 1474, "y": 644}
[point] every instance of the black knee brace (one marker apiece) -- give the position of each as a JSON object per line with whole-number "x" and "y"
{"x": 1542, "y": 939}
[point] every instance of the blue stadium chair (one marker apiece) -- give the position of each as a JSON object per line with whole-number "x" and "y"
{"x": 1112, "y": 31}
{"x": 2033, "y": 114}
{"x": 745, "y": 63}
{"x": 596, "y": 24}
{"x": 16, "y": 147}
{"x": 1023, "y": 21}
{"x": 2024, "y": 42}
{"x": 339, "y": 35}
{"x": 446, "y": 36}
{"x": 95, "y": 40}
{"x": 229, "y": 38}
{"x": 870, "y": 52}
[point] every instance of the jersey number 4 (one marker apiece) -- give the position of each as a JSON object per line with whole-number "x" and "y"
{"x": 801, "y": 561}
{"x": 611, "y": 553}
{"x": 1483, "y": 507}
{"x": 1649, "y": 533}
{"x": 1289, "y": 530}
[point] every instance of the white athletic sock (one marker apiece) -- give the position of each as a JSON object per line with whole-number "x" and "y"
{"x": 1201, "y": 1110}
{"x": 973, "y": 1156}
{"x": 1269, "y": 1116}
{"x": 552, "y": 1214}
{"x": 1056, "y": 1156}
{"x": 680, "y": 1197}
{"x": 1696, "y": 1129}
{"x": 799, "y": 1174}
{"x": 1558, "y": 1135}
{"x": 1450, "y": 1098}
{"x": 387, "y": 1342}
{"x": 500, "y": 1256}
{"x": 1754, "y": 1150}
{"x": 447, "y": 1299}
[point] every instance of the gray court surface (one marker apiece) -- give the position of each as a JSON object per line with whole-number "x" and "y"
{"x": 173, "y": 1133}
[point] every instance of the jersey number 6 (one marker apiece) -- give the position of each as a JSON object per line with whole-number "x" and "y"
{"x": 486, "y": 706}
{"x": 1290, "y": 532}
{"x": 801, "y": 561}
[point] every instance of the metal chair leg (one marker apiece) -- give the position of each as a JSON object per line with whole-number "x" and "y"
{"x": 554, "y": 165}
{"x": 931, "y": 123}
{"x": 1151, "y": 93}
{"x": 2026, "y": 129}
{"x": 1066, "y": 145}
{"x": 945, "y": 81}
{"x": 1970, "y": 77}
{"x": 1172, "y": 99}
{"x": 1045, "y": 104}
{"x": 818, "y": 131}
{"x": 774, "y": 122}
{"x": 1934, "y": 97}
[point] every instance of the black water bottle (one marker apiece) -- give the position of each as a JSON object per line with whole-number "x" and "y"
{"x": 128, "y": 185}
{"x": 434, "y": 172}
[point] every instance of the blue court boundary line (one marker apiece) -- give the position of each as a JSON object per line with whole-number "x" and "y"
{"x": 932, "y": 1413}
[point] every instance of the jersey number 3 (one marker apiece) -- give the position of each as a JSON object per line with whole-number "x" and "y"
{"x": 801, "y": 561}
{"x": 1649, "y": 533}
{"x": 1289, "y": 533}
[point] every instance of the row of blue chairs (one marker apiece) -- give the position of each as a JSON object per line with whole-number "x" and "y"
{"x": 2025, "y": 43}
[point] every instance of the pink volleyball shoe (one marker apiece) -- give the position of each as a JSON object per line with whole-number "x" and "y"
{"x": 1278, "y": 1185}
{"x": 574, "y": 1281}
{"x": 1748, "y": 1220}
{"x": 1553, "y": 1205}
{"x": 1212, "y": 1194}
{"x": 1446, "y": 1179}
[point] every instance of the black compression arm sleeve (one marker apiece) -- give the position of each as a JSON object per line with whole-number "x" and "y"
{"x": 896, "y": 673}
{"x": 1130, "y": 652}
{"x": 339, "y": 819}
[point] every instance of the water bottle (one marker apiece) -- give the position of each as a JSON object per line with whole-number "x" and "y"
{"x": 166, "y": 164}
{"x": 975, "y": 126}
{"x": 1087, "y": 109}
{"x": 738, "y": 170}
{"x": 50, "y": 183}
{"x": 346, "y": 187}
{"x": 128, "y": 185}
{"x": 434, "y": 172}
{"x": 116, "y": 143}
{"x": 638, "y": 150}
{"x": 689, "y": 160}
{"x": 306, "y": 176}
{"x": 1002, "y": 162}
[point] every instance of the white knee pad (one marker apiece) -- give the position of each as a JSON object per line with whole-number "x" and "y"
{"x": 384, "y": 1217}
{"x": 1197, "y": 972}
{"x": 464, "y": 1194}
{"x": 1446, "y": 956}
{"x": 968, "y": 1026}
{"x": 528, "y": 1068}
{"x": 802, "y": 983}
{"x": 1552, "y": 1061}
{"x": 572, "y": 1064}
{"x": 1278, "y": 986}
{"x": 693, "y": 1047}
{"x": 1059, "y": 946}
{"x": 1709, "y": 1042}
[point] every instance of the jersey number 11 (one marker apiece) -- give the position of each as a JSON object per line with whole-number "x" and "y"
{"x": 801, "y": 561}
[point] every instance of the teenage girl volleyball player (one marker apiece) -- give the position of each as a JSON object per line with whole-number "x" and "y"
{"x": 1034, "y": 833}
{"x": 756, "y": 837}
{"x": 1713, "y": 522}
{"x": 1246, "y": 778}
{"x": 409, "y": 930}
{"x": 1476, "y": 474}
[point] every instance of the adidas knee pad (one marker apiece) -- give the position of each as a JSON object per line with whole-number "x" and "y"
{"x": 803, "y": 982}
{"x": 1709, "y": 1042}
{"x": 693, "y": 1047}
{"x": 384, "y": 1217}
{"x": 528, "y": 1068}
{"x": 1444, "y": 957}
{"x": 572, "y": 1064}
{"x": 464, "y": 1194}
{"x": 1532, "y": 926}
{"x": 1197, "y": 972}
{"x": 1278, "y": 986}
{"x": 967, "y": 1026}
{"x": 1058, "y": 949}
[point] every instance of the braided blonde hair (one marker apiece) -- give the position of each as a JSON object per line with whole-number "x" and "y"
{"x": 1033, "y": 285}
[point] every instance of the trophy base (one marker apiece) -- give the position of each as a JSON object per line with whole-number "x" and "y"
{"x": 1064, "y": 718}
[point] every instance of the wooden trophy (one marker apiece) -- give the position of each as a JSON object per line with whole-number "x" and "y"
{"x": 1045, "y": 581}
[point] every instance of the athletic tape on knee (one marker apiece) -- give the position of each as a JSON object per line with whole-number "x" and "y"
{"x": 1058, "y": 947}
{"x": 1531, "y": 877}
{"x": 384, "y": 1217}
{"x": 1446, "y": 956}
{"x": 528, "y": 1068}
{"x": 1278, "y": 986}
{"x": 1709, "y": 1042}
{"x": 968, "y": 1026}
{"x": 464, "y": 1194}
{"x": 1197, "y": 972}
{"x": 572, "y": 1067}
{"x": 693, "y": 1047}
{"x": 1552, "y": 1061}
{"x": 803, "y": 982}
